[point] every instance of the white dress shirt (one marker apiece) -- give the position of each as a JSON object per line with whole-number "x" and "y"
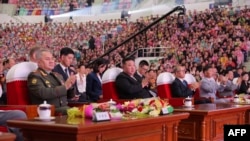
{"x": 81, "y": 82}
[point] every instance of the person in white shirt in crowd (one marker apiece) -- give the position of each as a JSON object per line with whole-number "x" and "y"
{"x": 81, "y": 83}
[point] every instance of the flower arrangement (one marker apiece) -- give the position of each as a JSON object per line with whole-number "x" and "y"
{"x": 242, "y": 99}
{"x": 137, "y": 108}
{"x": 151, "y": 106}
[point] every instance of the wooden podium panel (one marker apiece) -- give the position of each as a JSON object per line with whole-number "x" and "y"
{"x": 162, "y": 128}
{"x": 206, "y": 121}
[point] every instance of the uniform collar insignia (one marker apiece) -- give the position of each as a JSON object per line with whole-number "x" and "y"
{"x": 43, "y": 72}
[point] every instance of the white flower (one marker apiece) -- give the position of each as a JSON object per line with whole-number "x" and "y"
{"x": 154, "y": 113}
{"x": 134, "y": 110}
{"x": 145, "y": 110}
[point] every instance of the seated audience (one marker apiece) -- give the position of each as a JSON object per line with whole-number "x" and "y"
{"x": 81, "y": 83}
{"x": 208, "y": 85}
{"x": 244, "y": 87}
{"x": 152, "y": 77}
{"x": 142, "y": 73}
{"x": 230, "y": 87}
{"x": 94, "y": 80}
{"x": 3, "y": 99}
{"x": 142, "y": 69}
{"x": 180, "y": 87}
{"x": 63, "y": 68}
{"x": 66, "y": 59}
{"x": 45, "y": 85}
{"x": 127, "y": 86}
{"x": 9, "y": 115}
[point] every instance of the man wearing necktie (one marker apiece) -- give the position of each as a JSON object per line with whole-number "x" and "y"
{"x": 179, "y": 87}
{"x": 66, "y": 72}
{"x": 43, "y": 84}
{"x": 63, "y": 68}
{"x": 66, "y": 59}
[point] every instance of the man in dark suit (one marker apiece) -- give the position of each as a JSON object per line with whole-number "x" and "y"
{"x": 142, "y": 69}
{"x": 179, "y": 87}
{"x": 127, "y": 85}
{"x": 63, "y": 68}
{"x": 43, "y": 84}
{"x": 140, "y": 74}
{"x": 66, "y": 59}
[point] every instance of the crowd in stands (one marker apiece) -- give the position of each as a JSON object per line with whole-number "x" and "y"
{"x": 113, "y": 5}
{"x": 219, "y": 37}
{"x": 50, "y": 7}
{"x": 56, "y": 7}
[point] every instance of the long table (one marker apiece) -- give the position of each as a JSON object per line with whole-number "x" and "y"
{"x": 206, "y": 121}
{"x": 162, "y": 128}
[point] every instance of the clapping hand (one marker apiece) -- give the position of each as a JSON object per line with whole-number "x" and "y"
{"x": 70, "y": 81}
{"x": 75, "y": 98}
{"x": 194, "y": 86}
{"x": 144, "y": 82}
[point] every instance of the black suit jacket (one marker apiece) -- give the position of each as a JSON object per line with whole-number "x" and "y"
{"x": 72, "y": 91}
{"x": 60, "y": 70}
{"x": 243, "y": 88}
{"x": 93, "y": 86}
{"x": 178, "y": 89}
{"x": 138, "y": 77}
{"x": 129, "y": 88}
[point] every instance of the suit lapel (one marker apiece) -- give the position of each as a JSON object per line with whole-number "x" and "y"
{"x": 132, "y": 79}
{"x": 97, "y": 79}
{"x": 60, "y": 69}
{"x": 180, "y": 82}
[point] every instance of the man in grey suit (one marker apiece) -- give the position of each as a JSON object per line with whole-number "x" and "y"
{"x": 230, "y": 87}
{"x": 209, "y": 86}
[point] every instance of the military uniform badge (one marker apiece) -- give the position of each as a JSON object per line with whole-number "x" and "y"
{"x": 34, "y": 81}
{"x": 48, "y": 83}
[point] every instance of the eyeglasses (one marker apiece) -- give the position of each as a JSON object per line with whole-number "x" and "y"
{"x": 145, "y": 69}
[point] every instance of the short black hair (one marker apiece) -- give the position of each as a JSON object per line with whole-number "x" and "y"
{"x": 244, "y": 73}
{"x": 206, "y": 68}
{"x": 81, "y": 64}
{"x": 143, "y": 63}
{"x": 66, "y": 51}
{"x": 124, "y": 60}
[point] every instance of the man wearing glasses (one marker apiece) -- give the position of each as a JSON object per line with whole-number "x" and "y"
{"x": 180, "y": 86}
{"x": 141, "y": 72}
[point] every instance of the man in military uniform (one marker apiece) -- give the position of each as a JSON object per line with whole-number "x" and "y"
{"x": 45, "y": 85}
